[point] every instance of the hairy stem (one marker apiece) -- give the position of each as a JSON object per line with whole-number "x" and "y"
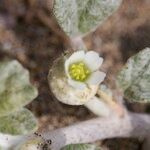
{"x": 77, "y": 43}
{"x": 113, "y": 104}
{"x": 131, "y": 125}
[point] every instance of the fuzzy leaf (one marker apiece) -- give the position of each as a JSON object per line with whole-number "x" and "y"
{"x": 16, "y": 90}
{"x": 81, "y": 16}
{"x": 80, "y": 147}
{"x": 19, "y": 123}
{"x": 135, "y": 77}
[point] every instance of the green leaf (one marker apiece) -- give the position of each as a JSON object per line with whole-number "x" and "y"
{"x": 81, "y": 16}
{"x": 134, "y": 78}
{"x": 19, "y": 123}
{"x": 16, "y": 90}
{"x": 80, "y": 147}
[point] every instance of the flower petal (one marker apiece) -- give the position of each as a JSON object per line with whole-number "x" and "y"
{"x": 75, "y": 57}
{"x": 93, "y": 60}
{"x": 76, "y": 84}
{"x": 96, "y": 78}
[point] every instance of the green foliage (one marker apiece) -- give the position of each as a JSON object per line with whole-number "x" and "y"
{"x": 18, "y": 123}
{"x": 16, "y": 90}
{"x": 134, "y": 78}
{"x": 81, "y": 16}
{"x": 80, "y": 147}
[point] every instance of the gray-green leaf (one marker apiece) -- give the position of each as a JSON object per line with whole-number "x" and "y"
{"x": 81, "y": 16}
{"x": 80, "y": 147}
{"x": 19, "y": 123}
{"x": 16, "y": 90}
{"x": 134, "y": 78}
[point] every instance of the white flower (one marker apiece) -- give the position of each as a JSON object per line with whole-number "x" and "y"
{"x": 82, "y": 69}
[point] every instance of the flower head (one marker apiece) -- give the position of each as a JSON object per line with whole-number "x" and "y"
{"x": 78, "y": 81}
{"x": 82, "y": 69}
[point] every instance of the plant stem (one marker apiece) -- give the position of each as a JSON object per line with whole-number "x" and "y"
{"x": 113, "y": 104}
{"x": 131, "y": 125}
{"x": 78, "y": 43}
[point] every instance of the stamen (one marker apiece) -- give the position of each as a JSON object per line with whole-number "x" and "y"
{"x": 79, "y": 71}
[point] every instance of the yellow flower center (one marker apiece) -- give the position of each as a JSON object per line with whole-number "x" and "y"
{"x": 79, "y": 71}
